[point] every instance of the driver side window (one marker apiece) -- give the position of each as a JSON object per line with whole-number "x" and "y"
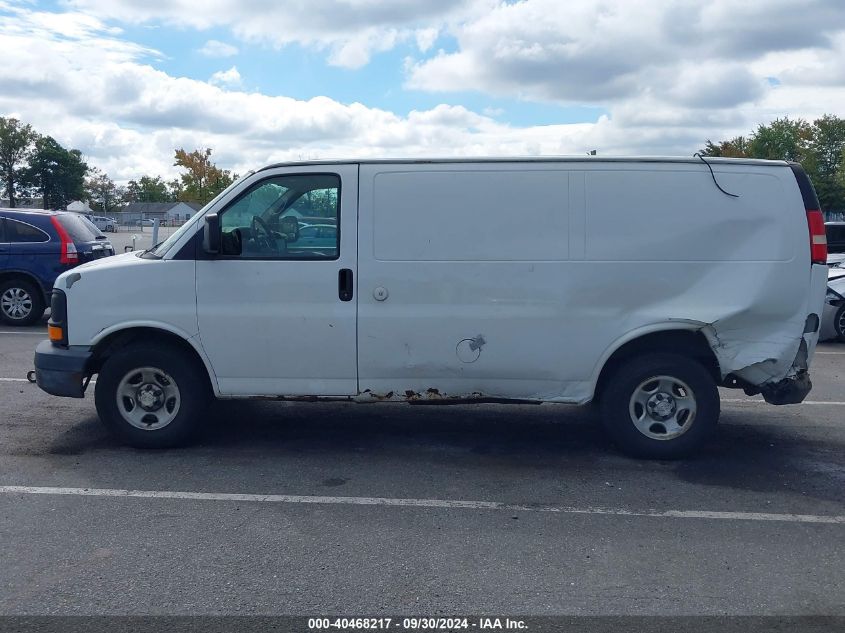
{"x": 268, "y": 221}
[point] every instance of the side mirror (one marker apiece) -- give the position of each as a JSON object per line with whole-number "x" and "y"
{"x": 211, "y": 234}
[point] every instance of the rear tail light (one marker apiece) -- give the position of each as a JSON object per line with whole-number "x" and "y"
{"x": 68, "y": 254}
{"x": 818, "y": 239}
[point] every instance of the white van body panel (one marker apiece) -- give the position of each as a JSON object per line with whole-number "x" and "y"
{"x": 486, "y": 279}
{"x": 520, "y": 280}
{"x": 114, "y": 293}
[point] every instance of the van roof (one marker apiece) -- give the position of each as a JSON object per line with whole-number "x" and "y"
{"x": 532, "y": 159}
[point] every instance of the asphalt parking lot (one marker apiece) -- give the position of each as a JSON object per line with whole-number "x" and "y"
{"x": 293, "y": 508}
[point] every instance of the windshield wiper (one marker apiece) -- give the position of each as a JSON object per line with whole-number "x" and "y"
{"x": 150, "y": 250}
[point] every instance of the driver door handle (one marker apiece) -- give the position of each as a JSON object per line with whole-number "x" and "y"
{"x": 345, "y": 284}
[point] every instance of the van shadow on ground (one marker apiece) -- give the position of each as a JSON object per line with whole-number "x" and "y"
{"x": 747, "y": 454}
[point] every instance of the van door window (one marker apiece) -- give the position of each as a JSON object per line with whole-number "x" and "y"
{"x": 276, "y": 219}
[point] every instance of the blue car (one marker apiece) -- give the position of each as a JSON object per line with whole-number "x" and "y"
{"x": 35, "y": 248}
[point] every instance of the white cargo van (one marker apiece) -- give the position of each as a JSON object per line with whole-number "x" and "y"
{"x": 641, "y": 283}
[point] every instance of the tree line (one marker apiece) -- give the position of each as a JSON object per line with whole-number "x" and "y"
{"x": 819, "y": 146}
{"x": 37, "y": 166}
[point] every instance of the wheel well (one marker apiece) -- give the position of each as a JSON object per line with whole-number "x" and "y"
{"x": 681, "y": 342}
{"x": 120, "y": 339}
{"x": 19, "y": 274}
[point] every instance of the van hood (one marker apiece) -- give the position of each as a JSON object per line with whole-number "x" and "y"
{"x": 124, "y": 260}
{"x": 108, "y": 262}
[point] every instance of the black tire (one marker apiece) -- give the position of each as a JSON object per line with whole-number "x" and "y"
{"x": 839, "y": 324}
{"x": 22, "y": 290}
{"x": 619, "y": 406}
{"x": 175, "y": 367}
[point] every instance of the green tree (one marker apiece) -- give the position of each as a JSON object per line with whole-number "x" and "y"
{"x": 819, "y": 147}
{"x": 828, "y": 143}
{"x": 148, "y": 189}
{"x": 201, "y": 179}
{"x": 824, "y": 164}
{"x": 175, "y": 190}
{"x": 55, "y": 173}
{"x": 782, "y": 139}
{"x": 104, "y": 195}
{"x": 16, "y": 140}
{"x": 737, "y": 147}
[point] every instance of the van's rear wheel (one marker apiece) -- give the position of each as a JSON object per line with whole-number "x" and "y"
{"x": 660, "y": 406}
{"x": 152, "y": 396}
{"x": 21, "y": 302}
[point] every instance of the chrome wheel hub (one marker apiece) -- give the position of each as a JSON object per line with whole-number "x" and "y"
{"x": 663, "y": 407}
{"x": 148, "y": 398}
{"x": 16, "y": 303}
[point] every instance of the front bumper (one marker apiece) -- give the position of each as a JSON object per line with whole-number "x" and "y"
{"x": 62, "y": 371}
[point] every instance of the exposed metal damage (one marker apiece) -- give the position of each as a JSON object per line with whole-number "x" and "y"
{"x": 776, "y": 366}
{"x": 434, "y": 396}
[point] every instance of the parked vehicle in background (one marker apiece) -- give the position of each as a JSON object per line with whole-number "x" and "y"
{"x": 35, "y": 248}
{"x": 317, "y": 236}
{"x": 835, "y": 232}
{"x": 833, "y": 314}
{"x": 624, "y": 281}
{"x": 103, "y": 223}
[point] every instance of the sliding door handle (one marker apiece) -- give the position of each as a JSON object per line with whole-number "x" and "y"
{"x": 345, "y": 284}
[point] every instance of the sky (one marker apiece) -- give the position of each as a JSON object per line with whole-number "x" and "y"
{"x": 261, "y": 81}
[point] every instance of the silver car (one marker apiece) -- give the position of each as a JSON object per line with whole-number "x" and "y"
{"x": 833, "y": 313}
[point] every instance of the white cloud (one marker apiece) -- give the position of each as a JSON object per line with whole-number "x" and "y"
{"x": 216, "y": 48}
{"x": 350, "y": 31}
{"x": 227, "y": 78}
{"x": 127, "y": 117}
{"x": 670, "y": 74}
{"x": 686, "y": 54}
{"x": 426, "y": 38}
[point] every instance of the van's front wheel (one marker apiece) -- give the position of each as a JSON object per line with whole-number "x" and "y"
{"x": 660, "y": 406}
{"x": 151, "y": 396}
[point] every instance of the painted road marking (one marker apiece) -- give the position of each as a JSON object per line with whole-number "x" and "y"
{"x": 834, "y": 403}
{"x": 419, "y": 503}
{"x": 93, "y": 382}
{"x": 41, "y": 334}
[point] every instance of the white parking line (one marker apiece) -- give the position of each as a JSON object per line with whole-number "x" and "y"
{"x": 832, "y": 353}
{"x": 419, "y": 503}
{"x": 93, "y": 382}
{"x": 834, "y": 403}
{"x": 42, "y": 334}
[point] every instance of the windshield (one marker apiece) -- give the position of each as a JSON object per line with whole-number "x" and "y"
{"x": 79, "y": 229}
{"x": 161, "y": 249}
